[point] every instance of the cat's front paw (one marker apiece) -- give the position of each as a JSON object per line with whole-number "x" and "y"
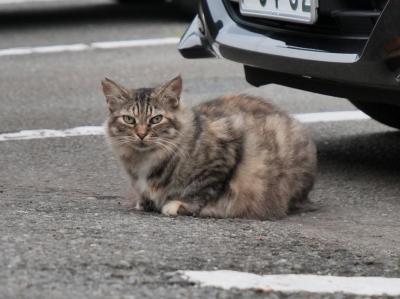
{"x": 174, "y": 208}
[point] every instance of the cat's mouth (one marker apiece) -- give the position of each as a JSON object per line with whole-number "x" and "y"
{"x": 141, "y": 144}
{"x": 144, "y": 146}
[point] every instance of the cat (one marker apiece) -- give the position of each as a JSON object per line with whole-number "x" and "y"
{"x": 233, "y": 157}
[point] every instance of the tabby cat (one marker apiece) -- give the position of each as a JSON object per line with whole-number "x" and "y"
{"x": 235, "y": 156}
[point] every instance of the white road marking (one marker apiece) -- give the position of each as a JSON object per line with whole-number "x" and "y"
{"x": 331, "y": 116}
{"x": 135, "y": 43}
{"x": 292, "y": 283}
{"x": 24, "y": 1}
{"x": 99, "y": 130}
{"x": 90, "y": 46}
{"x": 44, "y": 133}
{"x": 44, "y": 49}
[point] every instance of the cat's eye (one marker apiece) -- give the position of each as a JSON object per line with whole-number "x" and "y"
{"x": 129, "y": 119}
{"x": 156, "y": 119}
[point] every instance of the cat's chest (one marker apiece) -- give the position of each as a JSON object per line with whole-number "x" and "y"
{"x": 145, "y": 186}
{"x": 142, "y": 183}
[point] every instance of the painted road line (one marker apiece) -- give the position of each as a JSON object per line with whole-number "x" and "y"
{"x": 90, "y": 46}
{"x": 44, "y": 49}
{"x": 44, "y": 133}
{"x": 331, "y": 116}
{"x": 293, "y": 283}
{"x": 99, "y": 130}
{"x": 26, "y": 1}
{"x": 135, "y": 43}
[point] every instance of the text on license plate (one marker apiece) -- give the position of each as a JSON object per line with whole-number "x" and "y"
{"x": 299, "y": 11}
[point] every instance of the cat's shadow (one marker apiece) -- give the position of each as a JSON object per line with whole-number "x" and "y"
{"x": 63, "y": 15}
{"x": 364, "y": 153}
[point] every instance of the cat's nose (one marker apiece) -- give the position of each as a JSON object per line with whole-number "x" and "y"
{"x": 141, "y": 135}
{"x": 141, "y": 131}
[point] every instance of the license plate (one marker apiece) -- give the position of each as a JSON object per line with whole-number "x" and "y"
{"x": 298, "y": 11}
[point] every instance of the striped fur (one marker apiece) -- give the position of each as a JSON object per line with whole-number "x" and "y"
{"x": 235, "y": 156}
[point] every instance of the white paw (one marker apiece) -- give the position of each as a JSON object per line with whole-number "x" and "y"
{"x": 171, "y": 208}
{"x": 138, "y": 206}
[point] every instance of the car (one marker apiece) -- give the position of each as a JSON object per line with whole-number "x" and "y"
{"x": 343, "y": 48}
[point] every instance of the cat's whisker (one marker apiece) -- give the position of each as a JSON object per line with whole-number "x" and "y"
{"x": 180, "y": 150}
{"x": 123, "y": 140}
{"x": 179, "y": 133}
{"x": 118, "y": 142}
{"x": 159, "y": 142}
{"x": 117, "y": 139}
{"x": 168, "y": 149}
{"x": 128, "y": 138}
{"x": 128, "y": 141}
{"x": 129, "y": 144}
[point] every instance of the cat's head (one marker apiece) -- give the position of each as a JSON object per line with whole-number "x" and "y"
{"x": 144, "y": 119}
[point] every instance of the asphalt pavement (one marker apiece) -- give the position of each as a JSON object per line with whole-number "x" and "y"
{"x": 66, "y": 229}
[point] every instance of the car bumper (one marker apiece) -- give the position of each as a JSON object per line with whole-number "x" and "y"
{"x": 370, "y": 72}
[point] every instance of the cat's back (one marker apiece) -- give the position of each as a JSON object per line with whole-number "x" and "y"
{"x": 259, "y": 120}
{"x": 231, "y": 105}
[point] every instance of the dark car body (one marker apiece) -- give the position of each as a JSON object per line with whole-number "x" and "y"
{"x": 352, "y": 51}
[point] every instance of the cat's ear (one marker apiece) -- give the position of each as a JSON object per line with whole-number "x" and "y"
{"x": 115, "y": 94}
{"x": 170, "y": 92}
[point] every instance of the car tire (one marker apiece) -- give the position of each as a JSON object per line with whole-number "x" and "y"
{"x": 384, "y": 113}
